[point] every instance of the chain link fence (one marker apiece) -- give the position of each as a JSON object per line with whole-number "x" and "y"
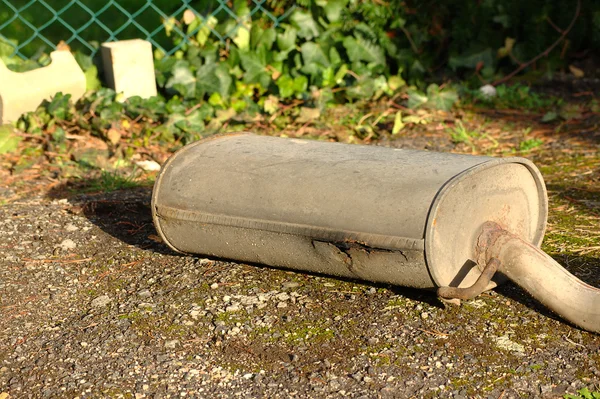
{"x": 29, "y": 28}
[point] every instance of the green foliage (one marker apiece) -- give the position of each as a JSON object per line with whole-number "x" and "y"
{"x": 584, "y": 393}
{"x": 8, "y": 140}
{"x": 513, "y": 96}
{"x": 435, "y": 97}
{"x": 308, "y": 59}
{"x": 112, "y": 181}
{"x": 324, "y": 52}
{"x": 530, "y": 144}
{"x": 98, "y": 112}
{"x": 92, "y": 82}
{"x": 16, "y": 64}
{"x": 460, "y": 134}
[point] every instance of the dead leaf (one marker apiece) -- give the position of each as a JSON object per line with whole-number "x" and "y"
{"x": 113, "y": 136}
{"x": 188, "y": 16}
{"x": 63, "y": 46}
{"x": 308, "y": 114}
{"x": 148, "y": 165}
{"x": 155, "y": 238}
{"x": 398, "y": 124}
{"x": 578, "y": 73}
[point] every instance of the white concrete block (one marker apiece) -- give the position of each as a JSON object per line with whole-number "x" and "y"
{"x": 22, "y": 92}
{"x": 129, "y": 67}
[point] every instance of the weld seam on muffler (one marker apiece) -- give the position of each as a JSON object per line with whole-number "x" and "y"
{"x": 375, "y": 241}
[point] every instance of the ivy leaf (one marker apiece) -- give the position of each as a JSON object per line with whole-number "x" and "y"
{"x": 110, "y": 113}
{"x": 471, "y": 59}
{"x": 183, "y": 80}
{"x": 149, "y": 108}
{"x": 312, "y": 53}
{"x": 334, "y": 56}
{"x": 328, "y": 77}
{"x": 509, "y": 43}
{"x": 255, "y": 69}
{"x": 163, "y": 70}
{"x": 89, "y": 70}
{"x": 192, "y": 123}
{"x": 333, "y": 9}
{"x": 204, "y": 32}
{"x": 305, "y": 24}
{"x": 314, "y": 59}
{"x": 8, "y": 140}
{"x": 549, "y": 116}
{"x": 242, "y": 38}
{"x": 241, "y": 8}
{"x": 288, "y": 86}
{"x": 359, "y": 49}
{"x": 262, "y": 37}
{"x": 59, "y": 106}
{"x": 169, "y": 25}
{"x": 396, "y": 82}
{"x": 416, "y": 99}
{"x": 7, "y": 47}
{"x": 286, "y": 40}
{"x": 441, "y": 99}
{"x": 213, "y": 78}
{"x": 364, "y": 88}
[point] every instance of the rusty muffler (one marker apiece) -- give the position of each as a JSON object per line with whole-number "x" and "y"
{"x": 458, "y": 223}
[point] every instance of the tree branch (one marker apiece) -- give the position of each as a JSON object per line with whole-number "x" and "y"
{"x": 545, "y": 52}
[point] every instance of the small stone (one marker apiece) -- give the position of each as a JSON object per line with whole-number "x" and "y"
{"x": 488, "y": 91}
{"x": 67, "y": 244}
{"x": 544, "y": 389}
{"x": 71, "y": 227}
{"x": 214, "y": 286}
{"x": 424, "y": 315}
{"x": 248, "y": 376}
{"x": 145, "y": 293}
{"x": 282, "y": 296}
{"x": 149, "y": 166}
{"x": 171, "y": 344}
{"x": 232, "y": 308}
{"x": 282, "y": 305}
{"x": 290, "y": 284}
{"x": 100, "y": 301}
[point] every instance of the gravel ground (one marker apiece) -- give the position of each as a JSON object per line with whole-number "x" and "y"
{"x": 93, "y": 305}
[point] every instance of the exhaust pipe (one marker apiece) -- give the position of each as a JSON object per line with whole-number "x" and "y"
{"x": 460, "y": 224}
